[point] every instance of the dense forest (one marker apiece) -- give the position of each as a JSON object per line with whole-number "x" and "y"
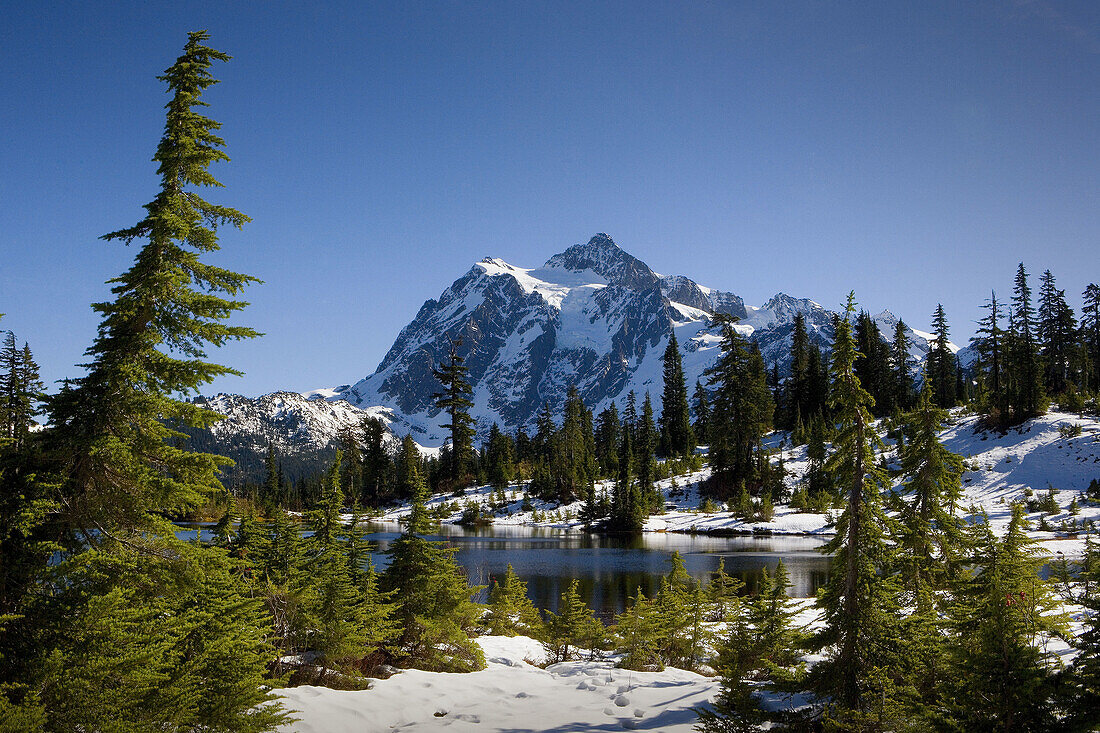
{"x": 108, "y": 621}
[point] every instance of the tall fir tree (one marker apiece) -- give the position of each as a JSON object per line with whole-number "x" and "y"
{"x": 1056, "y": 333}
{"x": 798, "y": 384}
{"x": 740, "y": 415}
{"x": 677, "y": 434}
{"x": 988, "y": 341}
{"x": 627, "y": 507}
{"x": 702, "y": 411}
{"x": 901, "y": 365}
{"x": 377, "y": 466}
{"x": 500, "y": 458}
{"x": 873, "y": 367}
{"x": 858, "y": 604}
{"x": 930, "y": 535}
{"x": 121, "y": 462}
{"x": 607, "y": 441}
{"x": 941, "y": 361}
{"x": 455, "y": 400}
{"x": 1090, "y": 336}
{"x": 644, "y": 467}
{"x": 1023, "y": 367}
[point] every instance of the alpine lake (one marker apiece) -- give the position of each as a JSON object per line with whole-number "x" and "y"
{"x": 610, "y": 569}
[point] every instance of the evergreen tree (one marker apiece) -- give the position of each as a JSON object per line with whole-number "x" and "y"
{"x": 1090, "y": 336}
{"x": 627, "y": 506}
{"x": 1080, "y": 694}
{"x": 510, "y": 610}
{"x": 722, "y": 594}
{"x": 1022, "y": 367}
{"x": 454, "y": 399}
{"x": 27, "y": 545}
{"x": 740, "y": 414}
{"x": 21, "y": 392}
{"x": 901, "y": 363}
{"x": 114, "y": 664}
{"x": 637, "y": 630}
{"x": 677, "y": 435}
{"x": 758, "y": 648}
{"x": 270, "y": 491}
{"x": 351, "y": 467}
{"x": 873, "y": 367}
{"x": 999, "y": 615}
{"x": 858, "y": 604}
{"x": 433, "y": 607}
{"x": 500, "y": 458}
{"x": 120, "y": 462}
{"x": 407, "y": 473}
{"x": 287, "y": 587}
{"x": 1056, "y": 333}
{"x": 988, "y": 341}
{"x": 940, "y": 368}
{"x": 573, "y": 627}
{"x": 607, "y": 441}
{"x": 817, "y": 401}
{"x": 702, "y": 411}
{"x": 798, "y": 398}
{"x": 115, "y": 423}
{"x": 930, "y": 535}
{"x": 643, "y": 459}
{"x": 376, "y": 461}
{"x": 577, "y": 455}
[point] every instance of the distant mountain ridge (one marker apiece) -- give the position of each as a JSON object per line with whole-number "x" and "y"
{"x": 593, "y": 316}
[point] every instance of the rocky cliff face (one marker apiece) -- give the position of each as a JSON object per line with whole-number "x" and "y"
{"x": 592, "y": 316}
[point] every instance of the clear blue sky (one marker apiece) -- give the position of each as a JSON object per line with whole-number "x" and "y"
{"x": 912, "y": 151}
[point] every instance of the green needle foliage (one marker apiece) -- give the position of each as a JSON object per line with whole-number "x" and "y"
{"x": 1000, "y": 616}
{"x": 931, "y": 536}
{"x": 858, "y": 603}
{"x": 123, "y": 460}
{"x": 434, "y": 611}
{"x": 510, "y": 610}
{"x": 134, "y": 629}
{"x": 573, "y": 627}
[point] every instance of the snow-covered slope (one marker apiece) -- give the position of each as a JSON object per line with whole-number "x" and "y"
{"x": 510, "y": 695}
{"x": 592, "y": 316}
{"x": 1022, "y": 463}
{"x": 304, "y": 432}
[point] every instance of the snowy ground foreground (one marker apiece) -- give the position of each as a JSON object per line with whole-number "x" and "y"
{"x": 509, "y": 695}
{"x": 512, "y": 694}
{"x": 1000, "y": 468}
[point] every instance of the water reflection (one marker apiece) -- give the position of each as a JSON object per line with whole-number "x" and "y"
{"x": 610, "y": 570}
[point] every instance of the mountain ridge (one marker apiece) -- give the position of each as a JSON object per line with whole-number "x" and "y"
{"x": 593, "y": 316}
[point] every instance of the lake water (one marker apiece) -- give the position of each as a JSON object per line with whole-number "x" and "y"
{"x": 611, "y": 569}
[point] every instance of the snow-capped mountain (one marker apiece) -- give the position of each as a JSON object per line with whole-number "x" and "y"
{"x": 305, "y": 433}
{"x": 592, "y": 316}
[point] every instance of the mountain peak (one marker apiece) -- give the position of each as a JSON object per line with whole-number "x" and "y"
{"x": 607, "y": 259}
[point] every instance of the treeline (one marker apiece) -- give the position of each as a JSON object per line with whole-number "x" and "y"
{"x": 107, "y": 620}
{"x": 561, "y": 461}
{"x": 930, "y": 622}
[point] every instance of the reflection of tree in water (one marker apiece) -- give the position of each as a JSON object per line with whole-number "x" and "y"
{"x": 610, "y": 570}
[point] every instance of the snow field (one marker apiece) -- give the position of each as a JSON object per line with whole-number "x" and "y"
{"x": 1000, "y": 469}
{"x": 510, "y": 695}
